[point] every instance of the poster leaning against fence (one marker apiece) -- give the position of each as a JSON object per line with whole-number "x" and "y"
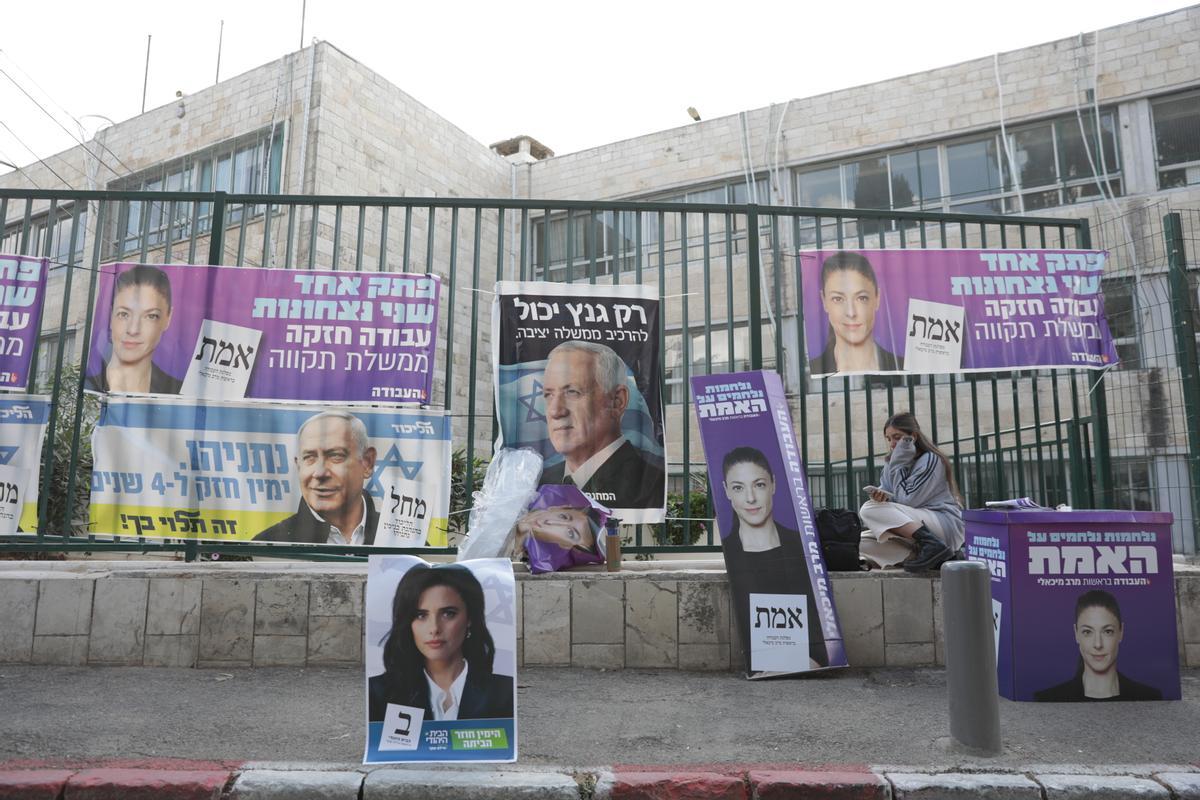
{"x": 23, "y": 420}
{"x": 577, "y": 379}
{"x": 885, "y": 311}
{"x": 237, "y": 471}
{"x": 22, "y": 293}
{"x": 243, "y": 332}
{"x": 781, "y": 596}
{"x": 441, "y": 660}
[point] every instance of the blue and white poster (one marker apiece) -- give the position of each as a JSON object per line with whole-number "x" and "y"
{"x": 23, "y": 420}
{"x": 301, "y": 474}
{"x": 441, "y": 661}
{"x": 578, "y": 380}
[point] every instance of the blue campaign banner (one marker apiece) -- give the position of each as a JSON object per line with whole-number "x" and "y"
{"x": 441, "y": 661}
{"x": 23, "y": 420}
{"x": 238, "y": 471}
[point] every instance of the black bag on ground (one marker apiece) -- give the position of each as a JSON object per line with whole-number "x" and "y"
{"x": 839, "y": 531}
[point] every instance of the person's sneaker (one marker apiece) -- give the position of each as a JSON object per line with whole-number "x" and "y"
{"x": 931, "y": 552}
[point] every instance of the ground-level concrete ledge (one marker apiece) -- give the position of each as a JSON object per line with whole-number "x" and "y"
{"x": 668, "y": 614}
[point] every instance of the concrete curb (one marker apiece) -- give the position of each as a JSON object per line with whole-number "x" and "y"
{"x": 301, "y": 781}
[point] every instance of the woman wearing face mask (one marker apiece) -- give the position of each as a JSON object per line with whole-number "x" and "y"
{"x": 1098, "y": 632}
{"x": 438, "y": 655}
{"x": 763, "y": 556}
{"x": 916, "y": 509}
{"x": 141, "y": 313}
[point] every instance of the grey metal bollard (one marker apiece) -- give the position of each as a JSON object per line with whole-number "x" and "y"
{"x": 971, "y": 657}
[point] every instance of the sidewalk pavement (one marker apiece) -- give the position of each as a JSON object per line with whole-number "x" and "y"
{"x": 133, "y": 732}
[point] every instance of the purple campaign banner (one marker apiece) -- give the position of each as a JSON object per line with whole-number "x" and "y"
{"x": 1085, "y": 603}
{"x": 782, "y": 600}
{"x": 229, "y": 333}
{"x": 927, "y": 311}
{"x": 22, "y": 293}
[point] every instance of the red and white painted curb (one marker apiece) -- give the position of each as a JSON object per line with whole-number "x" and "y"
{"x": 172, "y": 779}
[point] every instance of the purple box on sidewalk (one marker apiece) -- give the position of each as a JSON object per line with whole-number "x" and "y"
{"x": 1083, "y": 603}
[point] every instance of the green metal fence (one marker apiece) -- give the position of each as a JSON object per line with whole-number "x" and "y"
{"x": 729, "y": 279}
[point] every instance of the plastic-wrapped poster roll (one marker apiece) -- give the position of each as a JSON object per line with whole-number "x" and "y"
{"x": 441, "y": 663}
{"x": 782, "y": 599}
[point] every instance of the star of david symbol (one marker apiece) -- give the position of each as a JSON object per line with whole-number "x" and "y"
{"x": 393, "y": 459}
{"x": 6, "y": 454}
{"x": 529, "y": 401}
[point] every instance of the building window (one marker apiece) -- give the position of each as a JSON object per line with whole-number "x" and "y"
{"x": 1120, "y": 308}
{"x": 1177, "y": 140}
{"x": 611, "y": 237}
{"x": 247, "y": 165}
{"x": 1054, "y": 166}
{"x": 59, "y": 231}
{"x": 47, "y": 358}
{"x": 1133, "y": 484}
{"x": 676, "y": 373}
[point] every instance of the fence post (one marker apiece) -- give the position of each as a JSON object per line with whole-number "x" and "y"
{"x": 1185, "y": 355}
{"x": 753, "y": 289}
{"x": 1099, "y": 403}
{"x": 216, "y": 255}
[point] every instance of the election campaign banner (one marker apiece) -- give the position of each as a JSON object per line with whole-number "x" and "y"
{"x": 232, "y": 333}
{"x": 441, "y": 661}
{"x": 782, "y": 599}
{"x": 237, "y": 471}
{"x": 23, "y": 420}
{"x": 1084, "y": 603}
{"x": 22, "y": 293}
{"x": 577, "y": 380}
{"x": 885, "y": 311}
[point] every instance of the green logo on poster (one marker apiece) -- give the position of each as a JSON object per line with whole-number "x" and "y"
{"x": 479, "y": 739}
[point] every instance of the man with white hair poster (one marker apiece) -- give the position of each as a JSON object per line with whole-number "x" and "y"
{"x": 577, "y": 379}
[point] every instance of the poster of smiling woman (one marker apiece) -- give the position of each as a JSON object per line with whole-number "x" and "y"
{"x": 243, "y": 332}
{"x": 929, "y": 311}
{"x": 577, "y": 380}
{"x": 441, "y": 661}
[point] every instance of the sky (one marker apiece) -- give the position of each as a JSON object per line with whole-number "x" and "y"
{"x": 572, "y": 75}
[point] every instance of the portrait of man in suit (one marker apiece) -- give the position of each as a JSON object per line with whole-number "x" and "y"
{"x": 334, "y": 461}
{"x": 586, "y": 395}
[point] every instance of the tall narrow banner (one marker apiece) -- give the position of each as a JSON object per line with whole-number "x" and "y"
{"x": 226, "y": 471}
{"x": 577, "y": 380}
{"x": 232, "y": 333}
{"x": 23, "y": 420}
{"x": 781, "y": 594}
{"x": 22, "y": 293}
{"x": 441, "y": 661}
{"x": 886, "y": 311}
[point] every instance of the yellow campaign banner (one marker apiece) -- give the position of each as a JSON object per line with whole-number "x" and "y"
{"x": 174, "y": 468}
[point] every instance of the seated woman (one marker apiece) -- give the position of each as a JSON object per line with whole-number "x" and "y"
{"x": 1098, "y": 633}
{"x": 438, "y": 655}
{"x": 761, "y": 555}
{"x": 916, "y": 505}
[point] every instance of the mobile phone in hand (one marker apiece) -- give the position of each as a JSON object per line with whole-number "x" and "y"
{"x": 871, "y": 490}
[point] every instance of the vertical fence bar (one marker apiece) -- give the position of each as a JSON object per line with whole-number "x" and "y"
{"x": 686, "y": 343}
{"x": 312, "y": 235}
{"x": 1185, "y": 356}
{"x": 452, "y": 302}
{"x": 360, "y": 240}
{"x": 1099, "y": 402}
{"x": 754, "y": 277}
{"x": 337, "y": 236}
{"x": 469, "y": 478}
{"x": 408, "y": 237}
{"x": 383, "y": 237}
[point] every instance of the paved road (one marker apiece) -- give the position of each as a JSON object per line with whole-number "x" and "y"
{"x": 573, "y": 717}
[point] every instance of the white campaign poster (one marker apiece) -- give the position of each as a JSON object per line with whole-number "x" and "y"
{"x": 222, "y": 361}
{"x": 778, "y": 632}
{"x": 12, "y": 494}
{"x": 934, "y": 340}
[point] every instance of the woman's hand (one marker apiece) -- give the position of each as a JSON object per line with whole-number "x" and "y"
{"x": 879, "y": 496}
